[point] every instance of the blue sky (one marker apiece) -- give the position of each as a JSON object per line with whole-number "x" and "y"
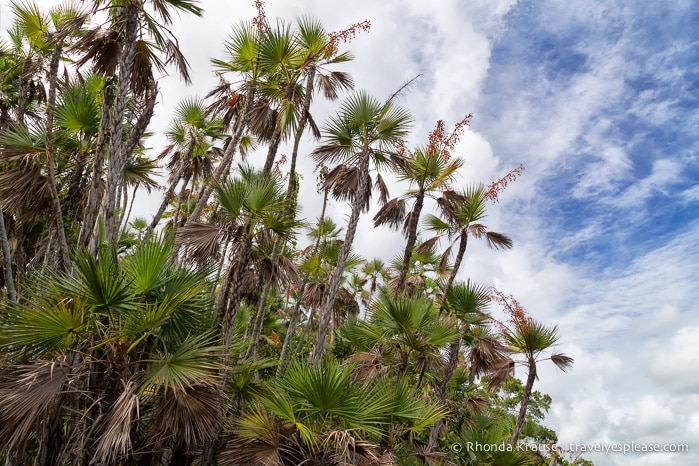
{"x": 599, "y": 101}
{"x": 628, "y": 176}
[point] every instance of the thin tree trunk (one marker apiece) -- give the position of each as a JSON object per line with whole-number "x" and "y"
{"x": 64, "y": 262}
{"x": 333, "y": 284}
{"x": 463, "y": 242}
{"x": 291, "y": 328}
{"x": 163, "y": 205}
{"x": 117, "y": 159}
{"x": 299, "y": 133}
{"x": 531, "y": 377}
{"x": 455, "y": 346}
{"x": 180, "y": 199}
{"x": 94, "y": 196}
{"x": 7, "y": 260}
{"x": 125, "y": 218}
{"x": 227, "y": 159}
{"x": 411, "y": 240}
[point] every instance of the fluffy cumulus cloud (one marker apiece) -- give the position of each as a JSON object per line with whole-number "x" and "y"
{"x": 599, "y": 101}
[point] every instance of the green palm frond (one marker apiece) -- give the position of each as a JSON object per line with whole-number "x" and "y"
{"x": 193, "y": 361}
{"x": 43, "y": 325}
{"x": 101, "y": 283}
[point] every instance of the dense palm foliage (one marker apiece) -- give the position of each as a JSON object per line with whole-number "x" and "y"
{"x": 217, "y": 332}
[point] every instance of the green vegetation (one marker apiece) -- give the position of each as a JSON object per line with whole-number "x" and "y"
{"x": 230, "y": 330}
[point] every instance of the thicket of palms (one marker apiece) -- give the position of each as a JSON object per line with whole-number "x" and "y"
{"x": 215, "y": 332}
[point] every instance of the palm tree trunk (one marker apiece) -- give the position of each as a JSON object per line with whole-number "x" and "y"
{"x": 117, "y": 159}
{"x": 7, "y": 260}
{"x": 412, "y": 239}
{"x": 95, "y": 196}
{"x": 227, "y": 159}
{"x": 291, "y": 328}
{"x": 299, "y": 133}
{"x": 180, "y": 200}
{"x": 163, "y": 205}
{"x": 127, "y": 216}
{"x": 64, "y": 262}
{"x": 229, "y": 305}
{"x": 333, "y": 285}
{"x": 457, "y": 263}
{"x": 273, "y": 148}
{"x": 526, "y": 396}
{"x": 455, "y": 346}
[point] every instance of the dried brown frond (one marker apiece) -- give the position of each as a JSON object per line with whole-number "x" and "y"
{"x": 199, "y": 241}
{"x": 485, "y": 356}
{"x": 342, "y": 182}
{"x": 498, "y": 240}
{"x": 115, "y": 440}
{"x": 101, "y": 48}
{"x": 562, "y": 361}
{"x": 313, "y": 295}
{"x": 262, "y": 120}
{"x": 26, "y": 396}
{"x": 502, "y": 371}
{"x": 391, "y": 214}
{"x": 349, "y": 450}
{"x": 428, "y": 245}
{"x": 380, "y": 185}
{"x": 192, "y": 415}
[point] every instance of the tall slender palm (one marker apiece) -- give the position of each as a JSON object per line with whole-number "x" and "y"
{"x": 531, "y": 339}
{"x": 138, "y": 36}
{"x": 190, "y": 135}
{"x": 462, "y": 211}
{"x": 365, "y": 132}
{"x": 47, "y": 35}
{"x": 252, "y": 209}
{"x": 428, "y": 169}
{"x": 233, "y": 105}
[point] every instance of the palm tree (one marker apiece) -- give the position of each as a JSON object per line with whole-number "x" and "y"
{"x": 7, "y": 260}
{"x": 461, "y": 213}
{"x": 323, "y": 414}
{"x": 252, "y": 210}
{"x": 233, "y": 105}
{"x": 530, "y": 339}
{"x": 129, "y": 338}
{"x": 365, "y": 130}
{"x": 409, "y": 325}
{"x": 190, "y": 136}
{"x": 428, "y": 169}
{"x": 126, "y": 46}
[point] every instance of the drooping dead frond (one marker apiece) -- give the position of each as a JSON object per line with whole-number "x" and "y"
{"x": 562, "y": 361}
{"x": 26, "y": 396}
{"x": 342, "y": 182}
{"x": 115, "y": 441}
{"x": 486, "y": 356}
{"x": 428, "y": 246}
{"x": 199, "y": 241}
{"x": 391, "y": 214}
{"x": 192, "y": 416}
{"x": 380, "y": 185}
{"x": 263, "y": 120}
{"x": 498, "y": 240}
{"x": 502, "y": 370}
